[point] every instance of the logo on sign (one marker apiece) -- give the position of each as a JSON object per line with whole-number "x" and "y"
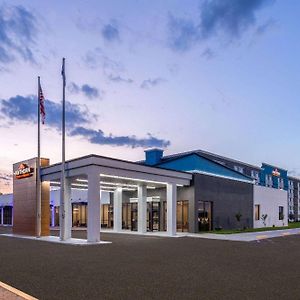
{"x": 276, "y": 173}
{"x": 23, "y": 171}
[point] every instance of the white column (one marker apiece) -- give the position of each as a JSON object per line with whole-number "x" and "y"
{"x": 94, "y": 207}
{"x": 142, "y": 208}
{"x": 65, "y": 221}
{"x": 118, "y": 209}
{"x": 171, "y": 208}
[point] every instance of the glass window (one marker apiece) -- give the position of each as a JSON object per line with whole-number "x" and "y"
{"x": 239, "y": 169}
{"x": 183, "y": 215}
{"x": 56, "y": 216}
{"x": 204, "y": 215}
{"x": 7, "y": 215}
{"x": 79, "y": 214}
{"x": 281, "y": 215}
{"x": 107, "y": 216}
{"x": 257, "y": 212}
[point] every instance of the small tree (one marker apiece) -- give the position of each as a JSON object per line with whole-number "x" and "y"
{"x": 264, "y": 218}
{"x": 291, "y": 217}
{"x": 238, "y": 217}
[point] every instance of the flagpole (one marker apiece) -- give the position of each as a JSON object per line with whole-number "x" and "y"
{"x": 62, "y": 181}
{"x": 38, "y": 173}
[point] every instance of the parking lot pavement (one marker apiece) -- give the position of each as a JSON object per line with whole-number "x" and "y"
{"x": 151, "y": 267}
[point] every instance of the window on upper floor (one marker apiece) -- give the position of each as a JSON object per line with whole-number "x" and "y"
{"x": 269, "y": 181}
{"x": 280, "y": 183}
{"x": 239, "y": 169}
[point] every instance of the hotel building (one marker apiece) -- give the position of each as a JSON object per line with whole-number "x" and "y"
{"x": 192, "y": 191}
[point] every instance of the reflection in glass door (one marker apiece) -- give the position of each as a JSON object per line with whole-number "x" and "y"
{"x": 79, "y": 214}
{"x": 129, "y": 216}
{"x": 107, "y": 216}
{"x": 126, "y": 216}
{"x": 183, "y": 216}
{"x": 56, "y": 215}
{"x": 204, "y": 216}
{"x": 134, "y": 216}
{"x": 153, "y": 216}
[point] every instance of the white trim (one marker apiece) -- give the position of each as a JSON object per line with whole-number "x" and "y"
{"x": 221, "y": 176}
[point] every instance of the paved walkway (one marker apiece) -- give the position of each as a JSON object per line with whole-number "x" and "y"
{"x": 241, "y": 237}
{"x": 55, "y": 239}
{"x": 247, "y": 236}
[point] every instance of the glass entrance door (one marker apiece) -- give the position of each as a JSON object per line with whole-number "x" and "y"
{"x": 134, "y": 216}
{"x": 183, "y": 216}
{"x": 107, "y": 216}
{"x": 153, "y": 216}
{"x": 79, "y": 214}
{"x": 126, "y": 216}
{"x": 204, "y": 215}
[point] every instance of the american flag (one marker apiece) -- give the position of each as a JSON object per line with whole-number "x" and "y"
{"x": 42, "y": 105}
{"x": 63, "y": 73}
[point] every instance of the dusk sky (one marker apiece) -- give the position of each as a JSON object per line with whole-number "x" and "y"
{"x": 218, "y": 75}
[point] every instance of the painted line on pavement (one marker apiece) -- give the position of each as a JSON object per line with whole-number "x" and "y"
{"x": 261, "y": 237}
{"x": 16, "y": 291}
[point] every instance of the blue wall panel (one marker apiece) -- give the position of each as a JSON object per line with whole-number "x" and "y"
{"x": 194, "y": 162}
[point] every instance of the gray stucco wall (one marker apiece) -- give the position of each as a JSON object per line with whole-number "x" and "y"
{"x": 229, "y": 197}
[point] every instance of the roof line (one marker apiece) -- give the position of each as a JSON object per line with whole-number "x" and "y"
{"x": 195, "y": 153}
{"x": 213, "y": 154}
{"x": 110, "y": 158}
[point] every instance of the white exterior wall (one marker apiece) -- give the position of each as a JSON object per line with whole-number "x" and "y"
{"x": 269, "y": 200}
{"x": 77, "y": 196}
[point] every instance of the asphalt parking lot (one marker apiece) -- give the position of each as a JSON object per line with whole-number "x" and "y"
{"x": 135, "y": 267}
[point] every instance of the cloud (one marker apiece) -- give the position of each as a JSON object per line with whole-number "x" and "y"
{"x": 262, "y": 29}
{"x": 118, "y": 78}
{"x": 18, "y": 31}
{"x": 148, "y": 83}
{"x": 87, "y": 90}
{"x": 208, "y": 54}
{"x": 229, "y": 19}
{"x": 183, "y": 34}
{"x": 78, "y": 119}
{"x": 24, "y": 109}
{"x": 98, "y": 137}
{"x": 96, "y": 58}
{"x": 5, "y": 177}
{"x": 110, "y": 32}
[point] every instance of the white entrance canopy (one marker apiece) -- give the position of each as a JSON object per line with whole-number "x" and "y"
{"x": 95, "y": 172}
{"x": 119, "y": 169}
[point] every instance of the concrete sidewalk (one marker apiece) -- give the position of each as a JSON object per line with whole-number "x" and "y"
{"x": 247, "y": 236}
{"x": 240, "y": 237}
